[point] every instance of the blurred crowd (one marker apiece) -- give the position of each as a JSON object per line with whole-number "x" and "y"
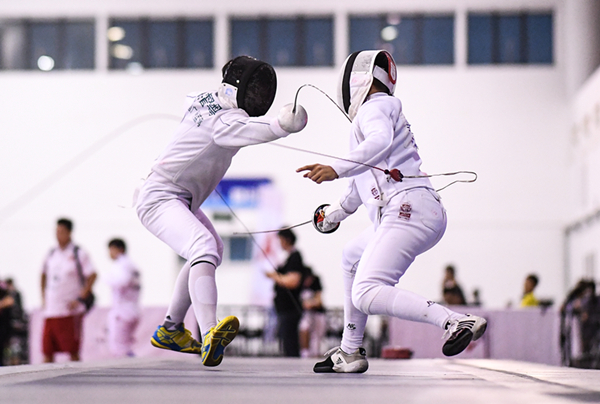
{"x": 68, "y": 279}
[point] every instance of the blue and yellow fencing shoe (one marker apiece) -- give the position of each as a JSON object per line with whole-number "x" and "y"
{"x": 217, "y": 339}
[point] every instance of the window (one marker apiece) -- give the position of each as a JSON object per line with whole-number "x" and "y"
{"x": 411, "y": 39}
{"x": 13, "y": 38}
{"x": 47, "y": 45}
{"x": 163, "y": 45}
{"x": 240, "y": 248}
{"x": 284, "y": 42}
{"x": 245, "y": 38}
{"x": 79, "y": 45}
{"x": 125, "y": 44}
{"x": 539, "y": 38}
{"x": 317, "y": 46}
{"x": 510, "y": 38}
{"x": 198, "y": 47}
{"x": 438, "y": 40}
{"x": 160, "y": 44}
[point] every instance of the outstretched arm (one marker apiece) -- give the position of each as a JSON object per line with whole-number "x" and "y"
{"x": 236, "y": 129}
{"x": 318, "y": 172}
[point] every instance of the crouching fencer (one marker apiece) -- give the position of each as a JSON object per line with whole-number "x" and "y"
{"x": 216, "y": 124}
{"x": 408, "y": 215}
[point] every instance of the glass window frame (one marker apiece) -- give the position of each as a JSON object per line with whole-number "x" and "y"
{"x": 300, "y": 41}
{"x": 144, "y": 46}
{"x": 26, "y": 57}
{"x": 408, "y": 47}
{"x": 524, "y": 57}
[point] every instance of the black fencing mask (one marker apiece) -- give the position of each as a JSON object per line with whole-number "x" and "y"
{"x": 249, "y": 84}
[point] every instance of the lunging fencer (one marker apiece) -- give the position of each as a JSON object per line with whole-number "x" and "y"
{"x": 216, "y": 124}
{"x": 407, "y": 215}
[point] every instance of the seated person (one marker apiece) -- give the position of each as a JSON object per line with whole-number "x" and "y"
{"x": 529, "y": 300}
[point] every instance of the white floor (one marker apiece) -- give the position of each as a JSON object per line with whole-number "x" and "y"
{"x": 183, "y": 379}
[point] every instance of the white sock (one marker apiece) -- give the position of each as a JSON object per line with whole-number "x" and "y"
{"x": 203, "y": 292}
{"x": 354, "y": 320}
{"x": 180, "y": 301}
{"x": 407, "y": 305}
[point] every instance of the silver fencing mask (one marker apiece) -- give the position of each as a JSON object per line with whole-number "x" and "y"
{"x": 357, "y": 75}
{"x": 249, "y": 84}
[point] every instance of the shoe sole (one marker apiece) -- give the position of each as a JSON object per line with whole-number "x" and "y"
{"x": 458, "y": 344}
{"x": 327, "y": 366}
{"x": 324, "y": 367}
{"x": 464, "y": 339}
{"x": 157, "y": 344}
{"x": 354, "y": 367}
{"x": 222, "y": 336}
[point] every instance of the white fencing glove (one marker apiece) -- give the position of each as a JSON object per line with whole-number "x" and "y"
{"x": 291, "y": 121}
{"x": 322, "y": 222}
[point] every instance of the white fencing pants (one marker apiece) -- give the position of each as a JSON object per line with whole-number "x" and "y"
{"x": 164, "y": 211}
{"x": 411, "y": 223}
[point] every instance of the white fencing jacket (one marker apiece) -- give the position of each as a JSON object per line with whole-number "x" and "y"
{"x": 206, "y": 140}
{"x": 380, "y": 136}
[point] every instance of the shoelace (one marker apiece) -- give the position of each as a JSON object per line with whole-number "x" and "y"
{"x": 331, "y": 351}
{"x": 450, "y": 329}
{"x": 458, "y": 325}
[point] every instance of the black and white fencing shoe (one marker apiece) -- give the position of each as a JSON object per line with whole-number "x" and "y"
{"x": 462, "y": 331}
{"x": 339, "y": 361}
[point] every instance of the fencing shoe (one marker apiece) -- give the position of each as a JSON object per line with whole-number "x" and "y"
{"x": 179, "y": 340}
{"x": 217, "y": 339}
{"x": 339, "y": 361}
{"x": 462, "y": 331}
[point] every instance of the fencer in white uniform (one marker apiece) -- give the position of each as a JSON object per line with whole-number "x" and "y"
{"x": 408, "y": 216}
{"x": 215, "y": 126}
{"x": 124, "y": 314}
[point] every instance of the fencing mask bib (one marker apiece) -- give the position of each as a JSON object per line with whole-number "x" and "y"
{"x": 249, "y": 84}
{"x": 357, "y": 74}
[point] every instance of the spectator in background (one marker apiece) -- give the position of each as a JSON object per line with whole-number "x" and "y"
{"x": 313, "y": 324}
{"x": 18, "y": 345}
{"x": 529, "y": 299}
{"x": 288, "y": 284}
{"x": 476, "y": 298}
{"x": 6, "y": 302}
{"x": 124, "y": 315}
{"x": 583, "y": 302}
{"x": 67, "y": 279}
{"x": 452, "y": 292}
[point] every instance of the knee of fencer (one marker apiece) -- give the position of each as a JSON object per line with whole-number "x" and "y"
{"x": 211, "y": 259}
{"x": 144, "y": 211}
{"x": 349, "y": 263}
{"x": 218, "y": 251}
{"x": 349, "y": 269}
{"x": 220, "y": 248}
{"x": 204, "y": 250}
{"x": 141, "y": 211}
{"x": 363, "y": 294}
